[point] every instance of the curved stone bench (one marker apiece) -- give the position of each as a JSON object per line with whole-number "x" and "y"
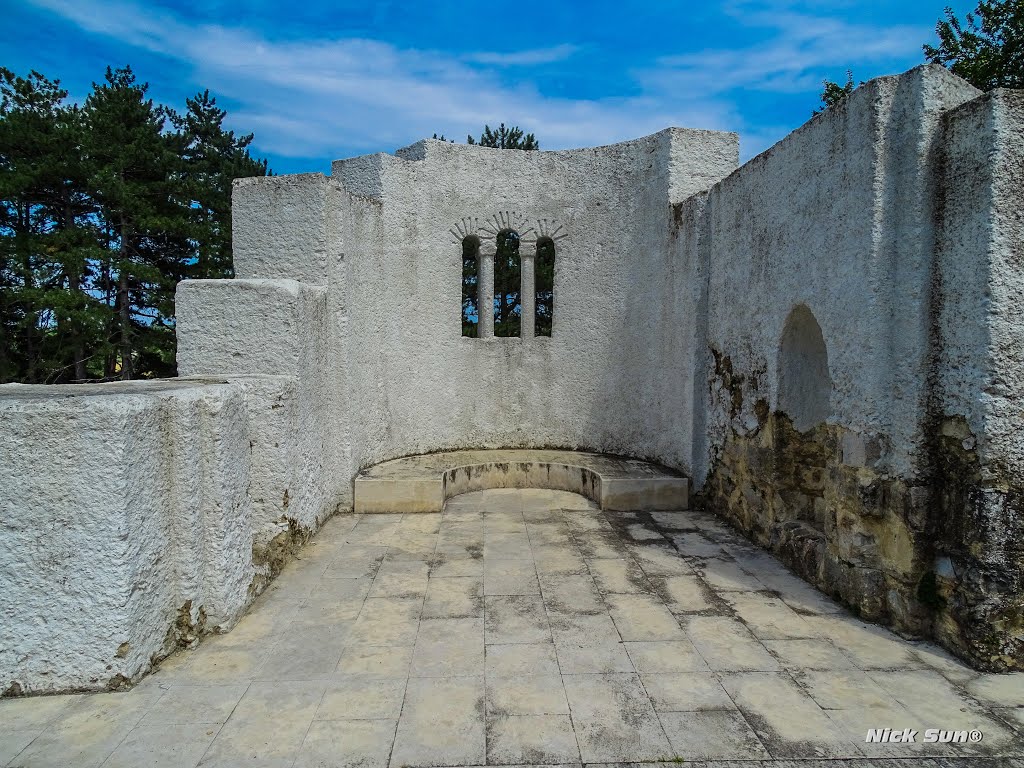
{"x": 423, "y": 483}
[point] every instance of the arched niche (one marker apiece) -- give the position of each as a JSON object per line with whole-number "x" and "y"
{"x": 544, "y": 287}
{"x": 507, "y": 284}
{"x": 471, "y": 286}
{"x": 804, "y": 381}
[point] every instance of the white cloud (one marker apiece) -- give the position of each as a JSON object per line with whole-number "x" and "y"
{"x": 524, "y": 58}
{"x": 328, "y": 97}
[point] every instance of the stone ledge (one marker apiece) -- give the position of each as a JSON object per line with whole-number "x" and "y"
{"x": 423, "y": 483}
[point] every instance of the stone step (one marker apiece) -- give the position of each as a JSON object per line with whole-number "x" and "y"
{"x": 423, "y": 483}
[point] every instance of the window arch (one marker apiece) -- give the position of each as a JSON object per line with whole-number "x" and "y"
{"x": 507, "y": 284}
{"x": 471, "y": 286}
{"x": 544, "y": 287}
{"x": 805, "y": 384}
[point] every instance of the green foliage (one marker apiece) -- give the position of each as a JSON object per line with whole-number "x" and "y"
{"x": 833, "y": 93}
{"x": 988, "y": 50}
{"x": 507, "y": 284}
{"x": 105, "y": 207}
{"x": 505, "y": 138}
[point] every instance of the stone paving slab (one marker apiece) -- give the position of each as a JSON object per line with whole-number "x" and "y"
{"x": 526, "y": 627}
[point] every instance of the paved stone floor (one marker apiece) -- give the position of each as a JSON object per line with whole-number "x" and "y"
{"x": 528, "y": 627}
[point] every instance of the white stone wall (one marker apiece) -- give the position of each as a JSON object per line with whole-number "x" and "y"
{"x": 837, "y": 217}
{"x": 614, "y": 375}
{"x": 123, "y": 507}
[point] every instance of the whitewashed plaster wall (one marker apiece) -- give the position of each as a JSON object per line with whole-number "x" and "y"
{"x": 125, "y": 523}
{"x": 838, "y": 217}
{"x": 383, "y": 234}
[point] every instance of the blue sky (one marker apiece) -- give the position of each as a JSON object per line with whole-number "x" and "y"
{"x": 322, "y": 80}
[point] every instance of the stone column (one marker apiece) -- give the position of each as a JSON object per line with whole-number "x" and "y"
{"x": 485, "y": 290}
{"x": 527, "y": 294}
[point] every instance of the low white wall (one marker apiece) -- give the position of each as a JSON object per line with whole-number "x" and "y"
{"x": 614, "y": 376}
{"x": 124, "y": 507}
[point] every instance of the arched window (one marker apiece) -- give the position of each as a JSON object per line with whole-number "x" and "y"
{"x": 805, "y": 385}
{"x": 470, "y": 286}
{"x": 544, "y": 287}
{"x": 507, "y": 284}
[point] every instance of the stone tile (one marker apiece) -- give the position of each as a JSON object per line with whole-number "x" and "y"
{"x": 678, "y": 520}
{"x": 222, "y": 665}
{"x": 276, "y": 700}
{"x": 682, "y": 594}
{"x": 420, "y": 523}
{"x": 665, "y": 656}
{"x": 846, "y": 690}
{"x": 460, "y": 513}
{"x": 614, "y": 719}
{"x": 35, "y": 711}
{"x": 579, "y": 658}
{"x": 510, "y": 577}
{"x": 696, "y": 545}
{"x": 531, "y": 740}
{"x": 449, "y": 648}
{"x": 560, "y": 560}
{"x": 412, "y": 547}
{"x": 526, "y": 695}
{"x": 809, "y": 654}
{"x": 356, "y": 562}
{"x": 191, "y": 704}
{"x": 601, "y": 544}
{"x": 347, "y": 744}
{"x": 454, "y": 598}
{"x": 176, "y": 745}
{"x": 618, "y": 576}
{"x": 951, "y": 668}
{"x": 13, "y": 742}
{"x": 1012, "y": 716}
{"x": 376, "y": 660}
{"x": 998, "y": 690}
{"x": 787, "y": 721}
{"x": 399, "y": 584}
{"x": 267, "y": 743}
{"x": 660, "y": 560}
{"x": 507, "y": 546}
{"x": 936, "y": 703}
{"x": 711, "y": 735}
{"x": 641, "y": 532}
{"x": 584, "y": 628}
{"x": 869, "y": 647}
{"x": 442, "y": 723}
{"x": 643, "y": 617}
{"x": 768, "y": 617}
{"x": 727, "y": 576}
{"x": 358, "y": 697}
{"x": 309, "y": 654}
{"x": 571, "y": 594}
{"x": 727, "y": 645}
{"x": 686, "y": 692}
{"x": 88, "y": 731}
{"x": 324, "y": 609}
{"x": 548, "y": 532}
{"x": 520, "y": 660}
{"x": 515, "y": 619}
{"x": 387, "y": 621}
{"x": 460, "y": 567}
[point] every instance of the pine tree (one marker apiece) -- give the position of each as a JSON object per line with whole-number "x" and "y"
{"x": 46, "y": 236}
{"x": 141, "y": 195}
{"x": 213, "y": 158}
{"x": 505, "y": 138}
